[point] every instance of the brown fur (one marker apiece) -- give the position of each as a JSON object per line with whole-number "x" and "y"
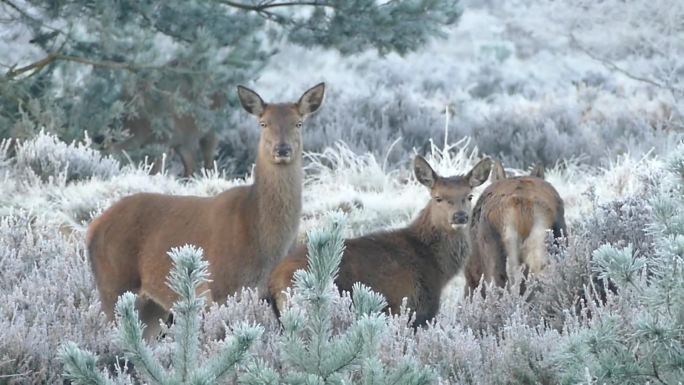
{"x": 243, "y": 231}
{"x": 414, "y": 262}
{"x": 184, "y": 136}
{"x": 508, "y": 226}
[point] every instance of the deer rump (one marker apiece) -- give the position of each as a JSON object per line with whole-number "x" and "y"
{"x": 508, "y": 229}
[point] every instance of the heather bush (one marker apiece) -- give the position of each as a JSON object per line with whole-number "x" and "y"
{"x": 591, "y": 89}
{"x": 46, "y": 296}
{"x": 637, "y": 336}
{"x": 391, "y": 121}
{"x": 503, "y": 338}
{"x": 47, "y": 158}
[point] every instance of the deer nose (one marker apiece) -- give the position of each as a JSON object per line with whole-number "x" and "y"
{"x": 460, "y": 218}
{"x": 282, "y": 150}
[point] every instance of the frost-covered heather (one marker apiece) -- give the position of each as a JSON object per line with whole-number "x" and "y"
{"x": 529, "y": 81}
{"x": 591, "y": 89}
{"x": 48, "y": 293}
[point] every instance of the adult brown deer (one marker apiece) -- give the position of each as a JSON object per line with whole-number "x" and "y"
{"x": 243, "y": 231}
{"x": 184, "y": 136}
{"x": 414, "y": 262}
{"x": 508, "y": 228}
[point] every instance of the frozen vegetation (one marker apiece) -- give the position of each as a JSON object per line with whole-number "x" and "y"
{"x": 593, "y": 90}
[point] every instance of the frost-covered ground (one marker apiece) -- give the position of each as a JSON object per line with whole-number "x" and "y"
{"x": 515, "y": 80}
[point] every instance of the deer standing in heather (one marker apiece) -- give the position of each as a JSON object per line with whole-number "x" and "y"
{"x": 508, "y": 228}
{"x": 414, "y": 262}
{"x": 243, "y": 231}
{"x": 184, "y": 136}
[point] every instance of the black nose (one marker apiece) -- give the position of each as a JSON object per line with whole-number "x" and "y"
{"x": 460, "y": 218}
{"x": 282, "y": 150}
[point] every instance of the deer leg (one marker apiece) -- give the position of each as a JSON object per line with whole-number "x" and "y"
{"x": 560, "y": 230}
{"x": 188, "y": 158}
{"x": 534, "y": 248}
{"x": 472, "y": 272}
{"x": 426, "y": 312}
{"x": 157, "y": 165}
{"x": 493, "y": 256}
{"x": 511, "y": 242}
{"x": 150, "y": 313}
{"x": 208, "y": 147}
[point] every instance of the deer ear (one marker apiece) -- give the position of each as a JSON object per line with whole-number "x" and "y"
{"x": 424, "y": 173}
{"x": 311, "y": 100}
{"x": 498, "y": 171}
{"x": 251, "y": 101}
{"x": 538, "y": 171}
{"x": 479, "y": 174}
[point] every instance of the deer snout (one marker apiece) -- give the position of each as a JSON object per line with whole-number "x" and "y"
{"x": 459, "y": 218}
{"x": 282, "y": 151}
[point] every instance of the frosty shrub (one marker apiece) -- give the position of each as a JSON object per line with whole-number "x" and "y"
{"x": 637, "y": 336}
{"x": 188, "y": 273}
{"x": 48, "y": 158}
{"x": 393, "y": 121}
{"x": 620, "y": 222}
{"x": 560, "y": 331}
{"x": 46, "y": 295}
{"x": 314, "y": 351}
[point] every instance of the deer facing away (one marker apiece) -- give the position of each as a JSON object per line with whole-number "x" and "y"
{"x": 244, "y": 231}
{"x": 413, "y": 262}
{"x": 508, "y": 228}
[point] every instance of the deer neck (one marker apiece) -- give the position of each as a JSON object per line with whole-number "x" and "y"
{"x": 277, "y": 191}
{"x": 449, "y": 248}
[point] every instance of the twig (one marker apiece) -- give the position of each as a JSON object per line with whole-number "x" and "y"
{"x": 12, "y": 73}
{"x": 264, "y": 6}
{"x": 32, "y": 18}
{"x": 614, "y": 66}
{"x": 16, "y": 8}
{"x": 2, "y": 376}
{"x": 55, "y": 56}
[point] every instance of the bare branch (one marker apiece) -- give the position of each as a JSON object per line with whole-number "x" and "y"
{"x": 264, "y": 6}
{"x": 16, "y": 8}
{"x": 55, "y": 56}
{"x": 609, "y": 64}
{"x": 35, "y": 66}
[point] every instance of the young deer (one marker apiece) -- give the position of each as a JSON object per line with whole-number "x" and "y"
{"x": 508, "y": 227}
{"x": 243, "y": 231}
{"x": 413, "y": 262}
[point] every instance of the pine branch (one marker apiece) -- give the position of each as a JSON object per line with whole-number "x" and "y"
{"x": 55, "y": 56}
{"x": 131, "y": 339}
{"x": 264, "y": 6}
{"x": 19, "y": 10}
{"x": 79, "y": 366}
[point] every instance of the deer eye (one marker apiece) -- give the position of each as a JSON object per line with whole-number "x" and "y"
{"x": 299, "y": 124}
{"x": 438, "y": 199}
{"x": 470, "y": 197}
{"x": 262, "y": 124}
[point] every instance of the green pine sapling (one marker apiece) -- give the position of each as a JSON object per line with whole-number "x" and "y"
{"x": 313, "y": 350}
{"x": 188, "y": 273}
{"x": 637, "y": 337}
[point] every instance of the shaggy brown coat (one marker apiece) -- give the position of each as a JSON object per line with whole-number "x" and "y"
{"x": 243, "y": 231}
{"x": 414, "y": 262}
{"x": 508, "y": 228}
